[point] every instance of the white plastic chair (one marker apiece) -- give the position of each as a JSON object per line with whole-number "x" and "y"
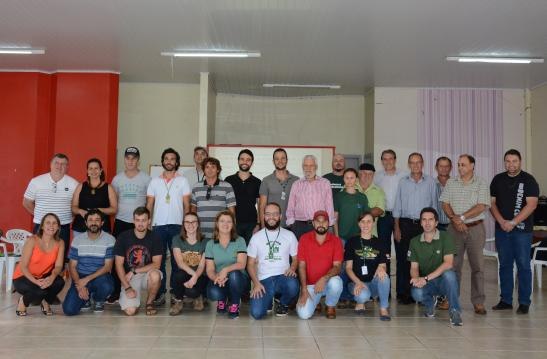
{"x": 494, "y": 253}
{"x": 537, "y": 266}
{"x": 17, "y": 238}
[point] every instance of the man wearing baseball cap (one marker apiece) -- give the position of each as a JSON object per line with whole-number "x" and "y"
{"x": 320, "y": 256}
{"x": 130, "y": 186}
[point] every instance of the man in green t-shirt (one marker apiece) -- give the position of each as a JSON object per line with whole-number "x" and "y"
{"x": 431, "y": 257}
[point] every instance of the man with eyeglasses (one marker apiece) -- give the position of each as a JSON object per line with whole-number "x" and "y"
{"x": 211, "y": 196}
{"x": 52, "y": 192}
{"x": 269, "y": 265}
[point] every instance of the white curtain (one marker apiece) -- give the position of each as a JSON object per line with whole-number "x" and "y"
{"x": 457, "y": 121}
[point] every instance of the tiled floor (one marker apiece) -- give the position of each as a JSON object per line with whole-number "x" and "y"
{"x": 204, "y": 335}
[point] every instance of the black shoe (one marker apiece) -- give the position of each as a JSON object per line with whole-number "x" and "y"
{"x": 523, "y": 309}
{"x": 502, "y": 306}
{"x": 281, "y": 310}
{"x": 406, "y": 300}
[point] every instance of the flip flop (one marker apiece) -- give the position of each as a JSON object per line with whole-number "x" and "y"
{"x": 150, "y": 309}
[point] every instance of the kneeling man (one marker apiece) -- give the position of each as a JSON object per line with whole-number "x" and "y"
{"x": 431, "y": 256}
{"x": 268, "y": 265}
{"x": 138, "y": 259}
{"x": 320, "y": 256}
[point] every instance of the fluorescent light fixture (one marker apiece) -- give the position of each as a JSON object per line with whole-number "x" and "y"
{"x": 210, "y": 53}
{"x": 311, "y": 86}
{"x": 21, "y": 51}
{"x": 496, "y": 60}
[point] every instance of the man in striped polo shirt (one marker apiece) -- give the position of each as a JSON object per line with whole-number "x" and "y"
{"x": 91, "y": 257}
{"x": 211, "y": 196}
{"x": 52, "y": 192}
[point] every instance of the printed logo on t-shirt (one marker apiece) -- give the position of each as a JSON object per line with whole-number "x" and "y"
{"x": 138, "y": 256}
{"x": 273, "y": 252}
{"x": 518, "y": 203}
{"x": 191, "y": 258}
{"x": 367, "y": 252}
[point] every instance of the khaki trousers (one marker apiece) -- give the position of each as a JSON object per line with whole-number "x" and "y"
{"x": 471, "y": 242}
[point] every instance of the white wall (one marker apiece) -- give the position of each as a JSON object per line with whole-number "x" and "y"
{"x": 539, "y": 136}
{"x": 154, "y": 116}
{"x": 320, "y": 121}
{"x": 396, "y": 121}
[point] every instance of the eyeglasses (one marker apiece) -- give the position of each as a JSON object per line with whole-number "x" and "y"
{"x": 208, "y": 195}
{"x": 271, "y": 214}
{"x": 54, "y": 187}
{"x": 190, "y": 222}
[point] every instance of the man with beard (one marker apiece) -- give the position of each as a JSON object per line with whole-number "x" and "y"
{"x": 211, "y": 196}
{"x": 138, "y": 259}
{"x": 91, "y": 256}
{"x": 195, "y": 174}
{"x": 309, "y": 194}
{"x": 320, "y": 256}
{"x": 246, "y": 188}
{"x": 336, "y": 177}
{"x": 276, "y": 187}
{"x": 270, "y": 250}
{"x": 168, "y": 199}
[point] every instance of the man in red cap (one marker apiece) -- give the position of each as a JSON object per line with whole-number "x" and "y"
{"x": 320, "y": 256}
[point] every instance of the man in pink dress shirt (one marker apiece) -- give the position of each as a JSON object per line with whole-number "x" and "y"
{"x": 308, "y": 195}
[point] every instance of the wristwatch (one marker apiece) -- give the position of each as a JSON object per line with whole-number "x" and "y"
{"x": 462, "y": 217}
{"x": 426, "y": 278}
{"x": 134, "y": 271}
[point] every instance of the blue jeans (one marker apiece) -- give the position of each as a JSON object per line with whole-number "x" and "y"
{"x": 287, "y": 287}
{"x": 166, "y": 233}
{"x": 446, "y": 284}
{"x": 514, "y": 247}
{"x": 236, "y": 285}
{"x": 99, "y": 289}
{"x": 332, "y": 292}
{"x": 375, "y": 288}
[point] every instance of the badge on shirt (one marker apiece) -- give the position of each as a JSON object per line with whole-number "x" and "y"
{"x": 438, "y": 251}
{"x": 364, "y": 270}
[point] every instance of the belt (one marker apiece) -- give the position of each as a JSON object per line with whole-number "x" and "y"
{"x": 475, "y": 223}
{"x": 414, "y": 221}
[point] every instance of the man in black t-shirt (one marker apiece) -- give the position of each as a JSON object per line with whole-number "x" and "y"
{"x": 138, "y": 257}
{"x": 514, "y": 198}
{"x": 246, "y": 189}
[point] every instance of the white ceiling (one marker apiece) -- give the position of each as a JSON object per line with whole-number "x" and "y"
{"x": 357, "y": 44}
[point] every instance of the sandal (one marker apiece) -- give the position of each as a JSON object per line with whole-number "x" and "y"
{"x": 20, "y": 313}
{"x": 47, "y": 312}
{"x": 150, "y": 309}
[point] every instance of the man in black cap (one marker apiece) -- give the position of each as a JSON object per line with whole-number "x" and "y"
{"x": 130, "y": 186}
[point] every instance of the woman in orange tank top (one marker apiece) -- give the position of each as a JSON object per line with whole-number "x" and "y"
{"x": 36, "y": 277}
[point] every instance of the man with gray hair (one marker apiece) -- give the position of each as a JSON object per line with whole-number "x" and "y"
{"x": 309, "y": 194}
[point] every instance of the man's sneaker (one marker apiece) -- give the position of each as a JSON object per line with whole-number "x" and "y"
{"x": 112, "y": 300}
{"x": 523, "y": 309}
{"x": 430, "y": 312}
{"x": 86, "y": 306}
{"x": 160, "y": 300}
{"x": 442, "y": 303}
{"x": 281, "y": 310}
{"x": 221, "y": 307}
{"x": 233, "y": 311}
{"x": 99, "y": 307}
{"x": 502, "y": 306}
{"x": 176, "y": 307}
{"x": 455, "y": 318}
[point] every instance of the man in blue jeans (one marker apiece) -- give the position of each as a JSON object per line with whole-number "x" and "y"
{"x": 168, "y": 199}
{"x": 91, "y": 257}
{"x": 268, "y": 264}
{"x": 514, "y": 198}
{"x": 431, "y": 257}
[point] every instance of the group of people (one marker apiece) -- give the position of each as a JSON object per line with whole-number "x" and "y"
{"x": 281, "y": 242}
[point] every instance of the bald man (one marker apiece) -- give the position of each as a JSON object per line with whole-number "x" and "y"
{"x": 336, "y": 177}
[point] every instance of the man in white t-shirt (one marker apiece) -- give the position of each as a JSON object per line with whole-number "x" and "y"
{"x": 195, "y": 174}
{"x": 168, "y": 199}
{"x": 268, "y": 264}
{"x": 52, "y": 193}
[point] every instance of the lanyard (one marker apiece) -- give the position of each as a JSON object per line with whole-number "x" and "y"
{"x": 168, "y": 188}
{"x": 363, "y": 249}
{"x": 271, "y": 245}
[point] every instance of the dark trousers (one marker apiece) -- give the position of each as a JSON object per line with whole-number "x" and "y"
{"x": 119, "y": 227}
{"x": 245, "y": 230}
{"x": 166, "y": 233}
{"x": 64, "y": 234}
{"x": 409, "y": 229}
{"x": 301, "y": 227}
{"x": 385, "y": 229}
{"x": 33, "y": 294}
{"x": 181, "y": 291}
{"x": 236, "y": 285}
